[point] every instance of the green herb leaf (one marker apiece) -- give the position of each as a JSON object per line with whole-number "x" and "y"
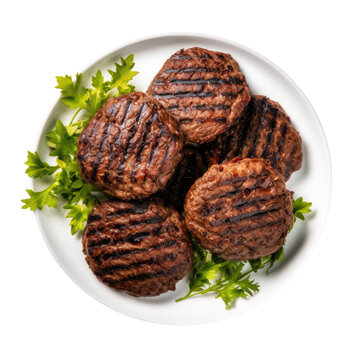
{"x": 97, "y": 95}
{"x": 38, "y": 199}
{"x": 78, "y": 214}
{"x": 122, "y": 75}
{"x": 300, "y": 207}
{"x": 62, "y": 145}
{"x": 73, "y": 94}
{"x": 37, "y": 168}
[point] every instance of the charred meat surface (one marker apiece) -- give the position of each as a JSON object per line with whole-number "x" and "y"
{"x": 131, "y": 147}
{"x": 264, "y": 131}
{"x": 205, "y": 91}
{"x": 240, "y": 210}
{"x": 141, "y": 248}
{"x": 190, "y": 168}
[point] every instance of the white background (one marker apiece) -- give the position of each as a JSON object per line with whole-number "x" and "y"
{"x": 44, "y": 315}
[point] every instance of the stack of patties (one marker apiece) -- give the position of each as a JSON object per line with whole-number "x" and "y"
{"x": 237, "y": 207}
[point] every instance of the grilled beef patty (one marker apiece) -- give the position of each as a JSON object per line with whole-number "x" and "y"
{"x": 264, "y": 131}
{"x": 204, "y": 90}
{"x": 131, "y": 147}
{"x": 141, "y": 248}
{"x": 240, "y": 210}
{"x": 190, "y": 168}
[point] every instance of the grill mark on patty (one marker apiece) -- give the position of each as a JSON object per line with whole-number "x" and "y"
{"x": 230, "y": 94}
{"x": 90, "y": 141}
{"x": 237, "y": 218}
{"x": 251, "y": 228}
{"x": 220, "y": 120}
{"x": 119, "y": 253}
{"x": 162, "y": 132}
{"x": 233, "y": 180}
{"x": 156, "y": 219}
{"x": 225, "y": 144}
{"x": 81, "y": 163}
{"x": 129, "y": 141}
{"x": 185, "y": 120}
{"x": 132, "y": 239}
{"x": 205, "y": 55}
{"x": 244, "y": 204}
{"x": 269, "y": 138}
{"x": 212, "y": 81}
{"x": 202, "y": 107}
{"x": 172, "y": 107}
{"x": 276, "y": 157}
{"x": 193, "y": 69}
{"x": 166, "y": 155}
{"x": 184, "y": 94}
{"x": 122, "y": 121}
{"x": 158, "y": 260}
{"x": 201, "y": 120}
{"x": 126, "y": 112}
{"x": 259, "y": 183}
{"x": 140, "y": 148}
{"x": 114, "y": 110}
{"x": 237, "y": 183}
{"x": 259, "y": 114}
{"x": 240, "y": 144}
{"x": 226, "y": 194}
{"x": 94, "y": 230}
{"x": 241, "y": 203}
{"x": 212, "y": 107}
{"x": 99, "y": 154}
{"x": 93, "y": 218}
{"x": 136, "y": 209}
{"x": 150, "y": 275}
{"x": 153, "y": 118}
{"x": 181, "y": 57}
{"x": 289, "y": 163}
{"x": 117, "y": 141}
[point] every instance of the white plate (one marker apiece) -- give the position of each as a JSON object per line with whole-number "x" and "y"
{"x": 313, "y": 182}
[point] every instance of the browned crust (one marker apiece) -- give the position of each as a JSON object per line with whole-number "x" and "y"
{"x": 240, "y": 210}
{"x": 205, "y": 91}
{"x": 141, "y": 248}
{"x": 264, "y": 131}
{"x": 131, "y": 147}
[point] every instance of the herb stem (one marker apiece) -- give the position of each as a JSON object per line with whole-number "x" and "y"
{"x": 73, "y": 118}
{"x": 189, "y": 294}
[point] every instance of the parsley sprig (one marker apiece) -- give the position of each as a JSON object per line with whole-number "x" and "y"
{"x": 226, "y": 279}
{"x": 66, "y": 181}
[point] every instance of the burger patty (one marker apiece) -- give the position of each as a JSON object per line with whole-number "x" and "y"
{"x": 141, "y": 248}
{"x": 240, "y": 210}
{"x": 190, "y": 168}
{"x": 205, "y": 91}
{"x": 264, "y": 131}
{"x": 131, "y": 147}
